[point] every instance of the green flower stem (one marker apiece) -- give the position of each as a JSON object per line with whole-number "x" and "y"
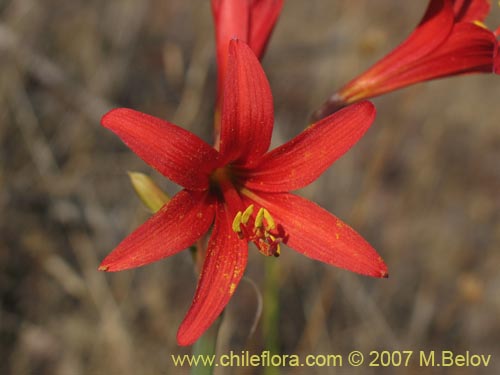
{"x": 205, "y": 347}
{"x": 154, "y": 199}
{"x": 270, "y": 324}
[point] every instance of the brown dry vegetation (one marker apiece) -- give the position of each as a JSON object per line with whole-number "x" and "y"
{"x": 422, "y": 186}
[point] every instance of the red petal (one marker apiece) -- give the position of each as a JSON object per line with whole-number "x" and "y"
{"x": 263, "y": 16}
{"x": 319, "y": 235}
{"x": 469, "y": 49}
{"x": 303, "y": 159}
{"x": 471, "y": 10}
{"x": 174, "y": 152}
{"x": 231, "y": 20}
{"x": 176, "y": 226}
{"x": 250, "y": 21}
{"x": 223, "y": 269}
{"x": 247, "y": 109}
{"x": 432, "y": 31}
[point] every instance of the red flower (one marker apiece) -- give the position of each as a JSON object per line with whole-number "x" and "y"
{"x": 251, "y": 21}
{"x": 242, "y": 190}
{"x": 450, "y": 40}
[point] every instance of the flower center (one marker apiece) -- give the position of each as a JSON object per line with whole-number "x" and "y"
{"x": 221, "y": 175}
{"x": 264, "y": 232}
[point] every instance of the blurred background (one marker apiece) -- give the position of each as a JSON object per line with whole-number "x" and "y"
{"x": 422, "y": 187}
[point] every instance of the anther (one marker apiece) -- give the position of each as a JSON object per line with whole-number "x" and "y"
{"x": 270, "y": 224}
{"x": 237, "y": 222}
{"x": 259, "y": 218}
{"x": 265, "y": 234}
{"x": 480, "y": 24}
{"x": 277, "y": 250}
{"x": 246, "y": 214}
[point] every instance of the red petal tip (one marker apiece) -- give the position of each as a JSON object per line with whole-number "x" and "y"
{"x": 182, "y": 341}
{"x": 379, "y": 271}
{"x": 382, "y": 271}
{"x": 107, "y": 115}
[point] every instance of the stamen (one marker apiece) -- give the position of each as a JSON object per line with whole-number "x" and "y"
{"x": 237, "y": 222}
{"x": 480, "y": 24}
{"x": 262, "y": 215}
{"x": 266, "y": 235}
{"x": 246, "y": 214}
{"x": 277, "y": 251}
{"x": 269, "y": 219}
{"x": 259, "y": 218}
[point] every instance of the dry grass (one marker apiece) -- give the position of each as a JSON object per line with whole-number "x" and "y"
{"x": 422, "y": 187}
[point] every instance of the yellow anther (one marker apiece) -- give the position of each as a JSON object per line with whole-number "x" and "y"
{"x": 269, "y": 220}
{"x": 246, "y": 214}
{"x": 480, "y": 24}
{"x": 237, "y": 222}
{"x": 277, "y": 252}
{"x": 259, "y": 218}
{"x": 264, "y": 234}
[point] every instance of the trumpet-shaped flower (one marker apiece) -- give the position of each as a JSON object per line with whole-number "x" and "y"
{"x": 242, "y": 190}
{"x": 251, "y": 21}
{"x": 450, "y": 40}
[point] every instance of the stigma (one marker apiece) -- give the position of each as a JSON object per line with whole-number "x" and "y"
{"x": 261, "y": 229}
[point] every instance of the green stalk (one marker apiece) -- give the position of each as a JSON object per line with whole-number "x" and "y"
{"x": 154, "y": 199}
{"x": 270, "y": 323}
{"x": 205, "y": 348}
